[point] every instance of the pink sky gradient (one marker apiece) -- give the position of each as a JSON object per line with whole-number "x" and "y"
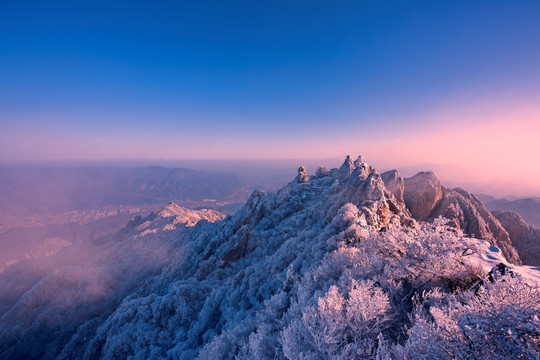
{"x": 495, "y": 147}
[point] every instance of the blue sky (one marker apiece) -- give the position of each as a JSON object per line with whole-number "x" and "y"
{"x": 266, "y": 79}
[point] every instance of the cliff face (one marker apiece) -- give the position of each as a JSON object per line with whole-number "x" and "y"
{"x": 422, "y": 193}
{"x": 331, "y": 266}
{"x": 525, "y": 238}
{"x": 395, "y": 184}
{"x": 427, "y": 199}
{"x": 470, "y": 215}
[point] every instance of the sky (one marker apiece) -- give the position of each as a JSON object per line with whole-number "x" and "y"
{"x": 403, "y": 83}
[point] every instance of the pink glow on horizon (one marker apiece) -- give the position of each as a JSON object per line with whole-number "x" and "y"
{"x": 502, "y": 149}
{"x": 493, "y": 146}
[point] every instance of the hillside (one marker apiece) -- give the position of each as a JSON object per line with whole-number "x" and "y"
{"x": 81, "y": 203}
{"x": 60, "y": 189}
{"x": 331, "y": 266}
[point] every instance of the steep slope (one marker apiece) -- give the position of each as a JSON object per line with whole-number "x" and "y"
{"x": 40, "y": 314}
{"x": 427, "y": 199}
{"x": 331, "y": 266}
{"x": 238, "y": 264}
{"x": 470, "y": 215}
{"x": 525, "y": 238}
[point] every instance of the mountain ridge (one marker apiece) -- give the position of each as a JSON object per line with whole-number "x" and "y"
{"x": 332, "y": 266}
{"x": 527, "y": 208}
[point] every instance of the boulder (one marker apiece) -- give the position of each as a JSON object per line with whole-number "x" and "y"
{"x": 421, "y": 194}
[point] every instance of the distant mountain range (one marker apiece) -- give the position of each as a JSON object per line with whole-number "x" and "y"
{"x": 527, "y": 208}
{"x": 74, "y": 204}
{"x": 59, "y": 189}
{"x": 343, "y": 264}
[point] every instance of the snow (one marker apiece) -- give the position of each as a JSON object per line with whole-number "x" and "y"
{"x": 487, "y": 256}
{"x": 296, "y": 274}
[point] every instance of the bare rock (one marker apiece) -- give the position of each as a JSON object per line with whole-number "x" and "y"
{"x": 468, "y": 213}
{"x": 427, "y": 199}
{"x": 302, "y": 176}
{"x": 421, "y": 194}
{"x": 346, "y": 169}
{"x": 525, "y": 238}
{"x": 395, "y": 184}
{"x": 238, "y": 248}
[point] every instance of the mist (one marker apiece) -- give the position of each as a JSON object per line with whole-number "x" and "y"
{"x": 79, "y": 239}
{"x": 44, "y": 300}
{"x": 75, "y": 239}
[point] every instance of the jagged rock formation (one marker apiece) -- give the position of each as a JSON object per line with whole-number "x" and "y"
{"x": 302, "y": 176}
{"x": 395, "y": 184}
{"x": 422, "y": 192}
{"x": 427, "y": 199}
{"x": 470, "y": 215}
{"x": 328, "y": 267}
{"x": 187, "y": 216}
{"x": 525, "y": 238}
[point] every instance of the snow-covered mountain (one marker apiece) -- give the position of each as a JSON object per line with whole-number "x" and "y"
{"x": 41, "y": 308}
{"x": 427, "y": 199}
{"x": 342, "y": 264}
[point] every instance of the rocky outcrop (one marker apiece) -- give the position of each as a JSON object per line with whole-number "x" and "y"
{"x": 238, "y": 248}
{"x": 395, "y": 184}
{"x": 187, "y": 216}
{"x": 346, "y": 169}
{"x": 302, "y": 176}
{"x": 362, "y": 186}
{"x": 525, "y": 238}
{"x": 468, "y": 213}
{"x": 421, "y": 194}
{"x": 427, "y": 199}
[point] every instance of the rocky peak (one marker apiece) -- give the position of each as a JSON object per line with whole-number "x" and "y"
{"x": 355, "y": 182}
{"x": 170, "y": 209}
{"x": 427, "y": 199}
{"x": 525, "y": 238}
{"x": 359, "y": 161}
{"x": 395, "y": 184}
{"x": 189, "y": 217}
{"x": 421, "y": 194}
{"x": 360, "y": 171}
{"x": 383, "y": 200}
{"x": 302, "y": 176}
{"x": 346, "y": 169}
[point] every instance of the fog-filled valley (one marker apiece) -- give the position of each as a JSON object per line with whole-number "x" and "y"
{"x": 59, "y": 224}
{"x": 175, "y": 184}
{"x": 344, "y": 263}
{"x": 45, "y": 208}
